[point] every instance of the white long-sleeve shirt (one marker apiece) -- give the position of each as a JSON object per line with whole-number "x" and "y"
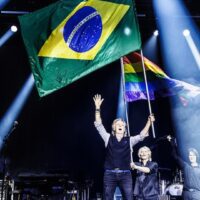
{"x": 105, "y": 135}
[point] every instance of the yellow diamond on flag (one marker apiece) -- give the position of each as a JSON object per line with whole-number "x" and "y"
{"x": 84, "y": 31}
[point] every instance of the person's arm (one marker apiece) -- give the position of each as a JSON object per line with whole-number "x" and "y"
{"x": 144, "y": 133}
{"x": 98, "y": 101}
{"x": 98, "y": 121}
{"x": 135, "y": 139}
{"x": 140, "y": 168}
{"x": 174, "y": 151}
{"x": 152, "y": 168}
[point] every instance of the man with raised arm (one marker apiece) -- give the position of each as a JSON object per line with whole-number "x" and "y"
{"x": 118, "y": 153}
{"x": 191, "y": 171}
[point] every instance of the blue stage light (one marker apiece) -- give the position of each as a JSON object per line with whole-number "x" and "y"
{"x": 13, "y": 28}
{"x": 186, "y": 32}
{"x": 172, "y": 18}
{"x": 150, "y": 49}
{"x": 193, "y": 47}
{"x": 3, "y": 3}
{"x": 12, "y": 113}
{"x": 156, "y": 33}
{"x": 5, "y": 37}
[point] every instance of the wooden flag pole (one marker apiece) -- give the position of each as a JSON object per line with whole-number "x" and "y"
{"x": 147, "y": 90}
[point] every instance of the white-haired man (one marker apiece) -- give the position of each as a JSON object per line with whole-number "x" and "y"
{"x": 118, "y": 153}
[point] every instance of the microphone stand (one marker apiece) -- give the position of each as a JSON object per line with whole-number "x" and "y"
{"x": 5, "y": 140}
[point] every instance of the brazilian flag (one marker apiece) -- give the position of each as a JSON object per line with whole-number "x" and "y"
{"x": 71, "y": 38}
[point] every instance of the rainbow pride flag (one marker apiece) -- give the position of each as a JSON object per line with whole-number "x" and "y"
{"x": 159, "y": 83}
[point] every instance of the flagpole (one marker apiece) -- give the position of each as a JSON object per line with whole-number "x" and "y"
{"x": 147, "y": 90}
{"x": 124, "y": 97}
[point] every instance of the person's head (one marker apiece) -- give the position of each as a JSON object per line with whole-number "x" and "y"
{"x": 119, "y": 127}
{"x": 193, "y": 155}
{"x": 144, "y": 153}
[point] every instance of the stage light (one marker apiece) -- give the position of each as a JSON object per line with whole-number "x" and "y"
{"x": 3, "y": 3}
{"x": 7, "y": 121}
{"x": 5, "y": 37}
{"x": 172, "y": 20}
{"x": 156, "y": 33}
{"x": 127, "y": 31}
{"x": 193, "y": 47}
{"x": 11, "y": 12}
{"x": 172, "y": 23}
{"x": 186, "y": 32}
{"x": 13, "y": 28}
{"x": 150, "y": 48}
{"x": 8, "y": 34}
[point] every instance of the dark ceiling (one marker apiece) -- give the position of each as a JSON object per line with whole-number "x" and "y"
{"x": 143, "y": 6}
{"x": 144, "y": 9}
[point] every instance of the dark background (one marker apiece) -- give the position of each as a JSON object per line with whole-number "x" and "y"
{"x": 56, "y": 133}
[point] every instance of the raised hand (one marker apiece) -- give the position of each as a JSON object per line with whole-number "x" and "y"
{"x": 145, "y": 131}
{"x": 151, "y": 118}
{"x": 169, "y": 138}
{"x": 97, "y": 101}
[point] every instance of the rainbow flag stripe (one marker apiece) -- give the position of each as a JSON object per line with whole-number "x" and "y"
{"x": 159, "y": 83}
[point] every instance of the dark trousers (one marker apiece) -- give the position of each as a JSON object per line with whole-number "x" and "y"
{"x": 123, "y": 180}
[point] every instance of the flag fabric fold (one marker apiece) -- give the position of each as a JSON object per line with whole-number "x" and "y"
{"x": 70, "y": 39}
{"x": 159, "y": 83}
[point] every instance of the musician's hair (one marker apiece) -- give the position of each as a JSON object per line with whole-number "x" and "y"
{"x": 148, "y": 150}
{"x": 114, "y": 128}
{"x": 193, "y": 150}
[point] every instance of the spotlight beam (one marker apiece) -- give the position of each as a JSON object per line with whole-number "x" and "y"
{"x": 13, "y": 12}
{"x": 14, "y": 110}
{"x": 174, "y": 47}
{"x": 193, "y": 49}
{"x": 3, "y": 3}
{"x": 156, "y": 33}
{"x": 5, "y": 37}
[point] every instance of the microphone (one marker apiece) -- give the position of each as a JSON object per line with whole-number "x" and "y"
{"x": 172, "y": 139}
{"x": 15, "y": 123}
